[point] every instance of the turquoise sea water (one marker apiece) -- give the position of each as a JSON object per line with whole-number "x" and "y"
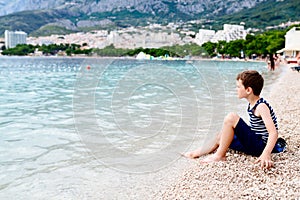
{"x": 74, "y": 128}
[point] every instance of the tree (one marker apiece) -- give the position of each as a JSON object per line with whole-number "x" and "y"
{"x": 275, "y": 41}
{"x": 210, "y": 47}
{"x": 221, "y": 47}
{"x": 19, "y": 50}
{"x": 235, "y": 47}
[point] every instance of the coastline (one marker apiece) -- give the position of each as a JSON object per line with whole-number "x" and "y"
{"x": 193, "y": 58}
{"x": 238, "y": 177}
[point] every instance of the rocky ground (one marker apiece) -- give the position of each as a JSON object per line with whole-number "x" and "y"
{"x": 239, "y": 177}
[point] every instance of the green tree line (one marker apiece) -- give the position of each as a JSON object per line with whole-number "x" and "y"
{"x": 52, "y": 49}
{"x": 260, "y": 45}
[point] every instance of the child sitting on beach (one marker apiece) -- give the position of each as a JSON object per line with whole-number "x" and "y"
{"x": 259, "y": 139}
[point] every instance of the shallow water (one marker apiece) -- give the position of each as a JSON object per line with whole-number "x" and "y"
{"x": 111, "y": 130}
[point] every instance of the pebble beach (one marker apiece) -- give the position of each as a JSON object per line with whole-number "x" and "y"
{"x": 239, "y": 177}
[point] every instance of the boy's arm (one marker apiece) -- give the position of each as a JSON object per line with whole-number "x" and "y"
{"x": 265, "y": 158}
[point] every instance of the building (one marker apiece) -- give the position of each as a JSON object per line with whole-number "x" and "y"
{"x": 13, "y": 38}
{"x": 203, "y": 36}
{"x": 292, "y": 43}
{"x": 229, "y": 33}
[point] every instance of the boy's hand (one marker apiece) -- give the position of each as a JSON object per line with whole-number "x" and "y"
{"x": 265, "y": 161}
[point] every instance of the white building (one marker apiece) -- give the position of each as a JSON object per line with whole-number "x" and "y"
{"x": 292, "y": 43}
{"x": 144, "y": 38}
{"x": 13, "y": 38}
{"x": 203, "y": 36}
{"x": 229, "y": 33}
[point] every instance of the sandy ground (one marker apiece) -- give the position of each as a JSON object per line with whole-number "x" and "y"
{"x": 239, "y": 177}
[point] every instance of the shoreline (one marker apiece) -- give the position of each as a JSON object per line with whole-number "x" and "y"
{"x": 134, "y": 58}
{"x": 238, "y": 177}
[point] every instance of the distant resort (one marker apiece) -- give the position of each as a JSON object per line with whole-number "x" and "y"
{"x": 152, "y": 37}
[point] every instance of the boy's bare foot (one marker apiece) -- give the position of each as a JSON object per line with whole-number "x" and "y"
{"x": 212, "y": 158}
{"x": 190, "y": 155}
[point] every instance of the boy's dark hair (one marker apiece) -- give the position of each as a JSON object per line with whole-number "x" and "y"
{"x": 253, "y": 79}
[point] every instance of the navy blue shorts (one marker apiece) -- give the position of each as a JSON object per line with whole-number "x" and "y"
{"x": 246, "y": 140}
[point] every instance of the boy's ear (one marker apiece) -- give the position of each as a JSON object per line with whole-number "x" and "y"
{"x": 248, "y": 90}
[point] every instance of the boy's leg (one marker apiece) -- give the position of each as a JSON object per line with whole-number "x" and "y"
{"x": 246, "y": 140}
{"x": 204, "y": 150}
{"x": 229, "y": 123}
{"x": 226, "y": 137}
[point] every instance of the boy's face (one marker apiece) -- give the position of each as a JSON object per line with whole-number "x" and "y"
{"x": 241, "y": 91}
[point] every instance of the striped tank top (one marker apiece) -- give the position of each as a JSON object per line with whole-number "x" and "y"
{"x": 256, "y": 123}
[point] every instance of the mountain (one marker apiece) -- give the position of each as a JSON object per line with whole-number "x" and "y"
{"x": 269, "y": 13}
{"x": 189, "y": 7}
{"x": 13, "y": 6}
{"x": 42, "y": 17}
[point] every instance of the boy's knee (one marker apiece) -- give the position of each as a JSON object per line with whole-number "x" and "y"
{"x": 232, "y": 119}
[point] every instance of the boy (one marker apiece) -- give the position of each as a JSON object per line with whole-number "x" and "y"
{"x": 258, "y": 139}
